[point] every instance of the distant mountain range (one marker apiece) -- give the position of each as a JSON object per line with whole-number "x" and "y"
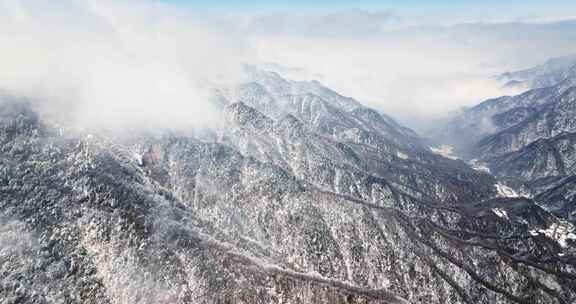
{"x": 529, "y": 139}
{"x": 547, "y": 74}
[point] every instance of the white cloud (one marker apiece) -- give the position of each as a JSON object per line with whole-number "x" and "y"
{"x": 422, "y": 72}
{"x": 141, "y": 62}
{"x": 117, "y": 63}
{"x": 421, "y": 77}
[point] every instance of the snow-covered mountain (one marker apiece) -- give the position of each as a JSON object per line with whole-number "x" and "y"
{"x": 547, "y": 74}
{"x": 528, "y": 139}
{"x": 300, "y": 195}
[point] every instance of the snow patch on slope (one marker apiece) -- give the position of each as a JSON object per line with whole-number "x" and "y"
{"x": 444, "y": 150}
{"x": 479, "y": 166}
{"x": 500, "y": 212}
{"x": 401, "y": 155}
{"x": 505, "y": 191}
{"x": 560, "y": 232}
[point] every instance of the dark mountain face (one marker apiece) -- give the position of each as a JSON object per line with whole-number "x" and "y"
{"x": 561, "y": 197}
{"x": 548, "y": 120}
{"x": 302, "y": 196}
{"x": 543, "y": 158}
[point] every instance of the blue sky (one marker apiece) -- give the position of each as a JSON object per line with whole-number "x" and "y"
{"x": 370, "y": 3}
{"x": 518, "y": 5}
{"x": 425, "y": 10}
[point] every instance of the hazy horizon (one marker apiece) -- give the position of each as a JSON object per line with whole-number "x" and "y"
{"x": 417, "y": 61}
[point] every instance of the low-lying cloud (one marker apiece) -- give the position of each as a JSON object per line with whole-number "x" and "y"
{"x": 417, "y": 73}
{"x": 122, "y": 63}
{"x": 117, "y": 63}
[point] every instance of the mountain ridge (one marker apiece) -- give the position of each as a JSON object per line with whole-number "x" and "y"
{"x": 273, "y": 207}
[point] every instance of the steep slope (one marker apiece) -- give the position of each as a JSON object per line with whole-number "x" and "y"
{"x": 270, "y": 211}
{"x": 370, "y": 144}
{"x": 547, "y": 157}
{"x": 561, "y": 198}
{"x": 352, "y": 167}
{"x": 322, "y": 109}
{"x": 100, "y": 226}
